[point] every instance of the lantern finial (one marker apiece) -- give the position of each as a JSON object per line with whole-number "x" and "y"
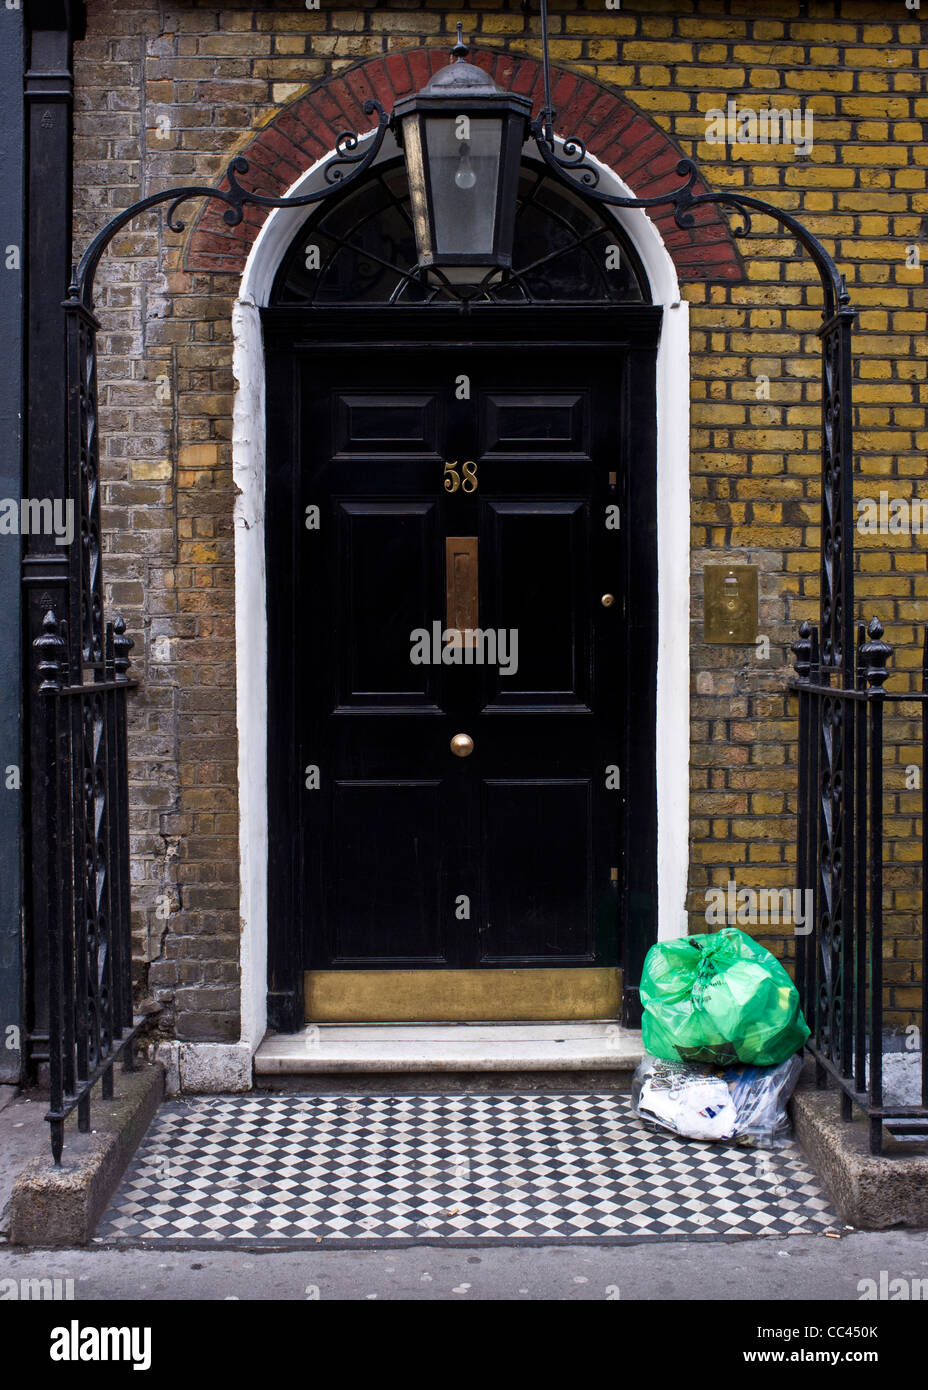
{"x": 460, "y": 49}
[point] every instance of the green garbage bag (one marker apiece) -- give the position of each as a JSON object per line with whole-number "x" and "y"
{"x": 720, "y": 998}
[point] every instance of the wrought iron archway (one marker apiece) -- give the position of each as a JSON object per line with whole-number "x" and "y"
{"x": 83, "y": 661}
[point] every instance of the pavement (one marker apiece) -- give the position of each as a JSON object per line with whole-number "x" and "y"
{"x": 799, "y": 1268}
{"x": 828, "y": 1263}
{"x": 23, "y": 1134}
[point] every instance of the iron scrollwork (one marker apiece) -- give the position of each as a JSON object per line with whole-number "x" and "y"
{"x": 349, "y": 163}
{"x": 572, "y": 166}
{"x": 346, "y": 166}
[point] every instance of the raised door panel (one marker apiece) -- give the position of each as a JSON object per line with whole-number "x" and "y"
{"x": 389, "y": 847}
{"x": 386, "y": 424}
{"x": 388, "y": 579}
{"x": 538, "y": 585}
{"x": 538, "y": 870}
{"x": 537, "y": 424}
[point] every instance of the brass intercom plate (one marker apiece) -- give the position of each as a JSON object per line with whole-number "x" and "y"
{"x": 730, "y": 603}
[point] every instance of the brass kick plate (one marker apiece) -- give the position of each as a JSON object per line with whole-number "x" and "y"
{"x": 462, "y": 996}
{"x": 730, "y": 594}
{"x": 461, "y": 585}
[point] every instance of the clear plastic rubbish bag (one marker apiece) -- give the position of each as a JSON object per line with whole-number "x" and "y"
{"x": 739, "y": 1104}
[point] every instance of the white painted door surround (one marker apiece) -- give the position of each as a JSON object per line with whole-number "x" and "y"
{"x": 210, "y": 1067}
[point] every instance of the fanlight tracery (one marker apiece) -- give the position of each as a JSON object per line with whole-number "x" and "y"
{"x": 362, "y": 250}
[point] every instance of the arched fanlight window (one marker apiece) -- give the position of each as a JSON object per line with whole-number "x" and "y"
{"x": 361, "y": 250}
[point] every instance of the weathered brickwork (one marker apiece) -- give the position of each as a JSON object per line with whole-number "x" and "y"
{"x": 167, "y": 94}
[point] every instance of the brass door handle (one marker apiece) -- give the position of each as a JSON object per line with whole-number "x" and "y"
{"x": 607, "y": 600}
{"x": 462, "y": 745}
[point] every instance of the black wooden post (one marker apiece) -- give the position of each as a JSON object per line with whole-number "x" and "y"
{"x": 52, "y": 28}
{"x": 12, "y": 65}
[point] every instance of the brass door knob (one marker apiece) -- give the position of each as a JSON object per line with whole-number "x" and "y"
{"x": 607, "y": 600}
{"x": 462, "y": 745}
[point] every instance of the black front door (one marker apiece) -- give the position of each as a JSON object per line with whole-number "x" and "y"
{"x": 452, "y": 612}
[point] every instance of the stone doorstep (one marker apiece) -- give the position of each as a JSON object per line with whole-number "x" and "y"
{"x": 58, "y": 1206}
{"x": 869, "y": 1192}
{"x": 404, "y": 1049}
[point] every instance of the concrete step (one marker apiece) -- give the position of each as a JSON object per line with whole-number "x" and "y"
{"x": 423, "y": 1048}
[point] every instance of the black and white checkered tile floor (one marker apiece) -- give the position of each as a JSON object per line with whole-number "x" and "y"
{"x": 350, "y": 1169}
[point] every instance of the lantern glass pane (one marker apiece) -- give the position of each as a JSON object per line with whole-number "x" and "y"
{"x": 463, "y": 154}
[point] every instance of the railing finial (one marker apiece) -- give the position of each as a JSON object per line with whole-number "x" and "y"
{"x": 50, "y": 646}
{"x": 876, "y": 654}
{"x": 802, "y": 650}
{"x": 122, "y": 646}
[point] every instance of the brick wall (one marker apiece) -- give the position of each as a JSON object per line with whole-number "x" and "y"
{"x": 169, "y": 94}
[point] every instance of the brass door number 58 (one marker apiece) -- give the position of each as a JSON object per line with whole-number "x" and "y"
{"x": 466, "y": 480}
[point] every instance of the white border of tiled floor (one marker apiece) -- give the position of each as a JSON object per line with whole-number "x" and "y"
{"x": 387, "y": 1169}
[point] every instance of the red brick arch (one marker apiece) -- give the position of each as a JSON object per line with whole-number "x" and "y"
{"x": 614, "y": 130}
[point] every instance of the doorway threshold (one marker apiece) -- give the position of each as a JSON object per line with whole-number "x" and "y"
{"x": 321, "y": 1048}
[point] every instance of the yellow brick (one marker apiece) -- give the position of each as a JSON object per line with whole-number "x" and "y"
{"x": 782, "y": 54}
{"x": 199, "y": 554}
{"x": 882, "y": 393}
{"x": 198, "y": 456}
{"x": 618, "y": 23}
{"x": 652, "y": 76}
{"x": 761, "y": 852}
{"x": 766, "y": 78}
{"x": 878, "y": 154}
{"x": 873, "y": 130}
{"x": 873, "y": 82}
{"x": 658, "y": 52}
{"x": 711, "y": 27}
{"x": 601, "y": 48}
{"x": 883, "y": 57}
{"x": 151, "y": 472}
{"x": 501, "y": 24}
{"x": 829, "y": 32}
{"x": 616, "y": 76}
{"x": 810, "y": 81}
{"x": 712, "y": 53}
{"x": 724, "y": 79}
{"x": 560, "y": 48}
{"x": 663, "y": 101}
{"x": 907, "y": 130}
{"x": 911, "y": 322}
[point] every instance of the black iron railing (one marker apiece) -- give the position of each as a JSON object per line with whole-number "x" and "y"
{"x": 87, "y": 810}
{"x": 841, "y": 851}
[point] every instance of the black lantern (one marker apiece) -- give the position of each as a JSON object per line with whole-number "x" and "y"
{"x": 463, "y": 137}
